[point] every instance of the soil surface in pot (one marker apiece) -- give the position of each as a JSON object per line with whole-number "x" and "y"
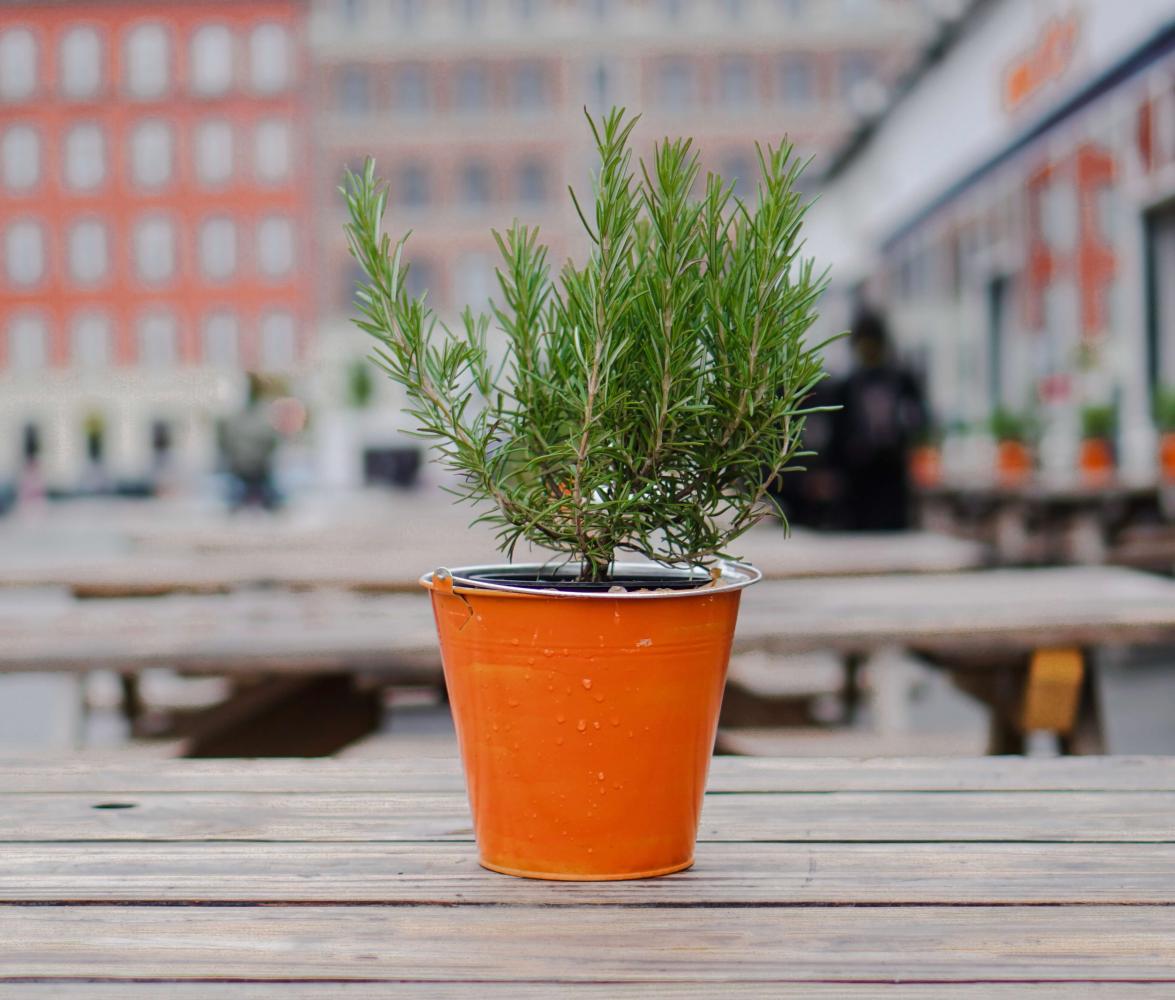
{"x": 564, "y": 580}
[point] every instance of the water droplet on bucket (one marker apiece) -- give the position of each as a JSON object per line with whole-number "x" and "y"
{"x": 560, "y": 718}
{"x": 514, "y": 642}
{"x": 598, "y": 697}
{"x": 495, "y": 727}
{"x": 581, "y": 725}
{"x": 595, "y": 725}
{"x": 512, "y": 702}
{"x": 548, "y": 652}
{"x": 614, "y": 720}
{"x": 587, "y": 683}
{"x": 559, "y": 741}
{"x": 600, "y": 775}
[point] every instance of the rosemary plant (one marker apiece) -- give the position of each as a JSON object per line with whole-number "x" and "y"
{"x": 649, "y": 398}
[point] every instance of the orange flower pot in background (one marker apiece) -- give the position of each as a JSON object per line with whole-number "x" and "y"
{"x": 1167, "y": 456}
{"x": 1013, "y": 462}
{"x": 926, "y": 466}
{"x": 1096, "y": 461}
{"x": 586, "y": 719}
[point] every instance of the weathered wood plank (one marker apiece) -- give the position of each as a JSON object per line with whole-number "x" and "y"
{"x": 590, "y": 944}
{"x": 335, "y": 631}
{"x": 1015, "y": 609}
{"x": 727, "y": 774}
{"x": 582, "y": 991}
{"x": 730, "y": 874}
{"x": 1109, "y": 817}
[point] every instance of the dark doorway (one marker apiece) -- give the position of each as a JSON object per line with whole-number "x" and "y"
{"x": 1160, "y": 295}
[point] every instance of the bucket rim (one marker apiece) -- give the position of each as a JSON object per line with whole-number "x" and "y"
{"x": 732, "y": 576}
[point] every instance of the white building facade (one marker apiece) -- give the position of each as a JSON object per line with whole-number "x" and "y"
{"x": 1014, "y": 212}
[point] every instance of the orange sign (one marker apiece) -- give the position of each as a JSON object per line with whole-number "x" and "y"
{"x": 1047, "y": 60}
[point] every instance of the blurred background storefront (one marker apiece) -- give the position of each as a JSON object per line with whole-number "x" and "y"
{"x": 1013, "y": 209}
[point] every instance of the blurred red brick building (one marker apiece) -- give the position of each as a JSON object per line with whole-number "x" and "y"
{"x": 154, "y": 223}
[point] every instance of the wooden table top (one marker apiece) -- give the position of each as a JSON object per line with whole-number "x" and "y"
{"x": 396, "y": 566}
{"x": 851, "y": 878}
{"x": 331, "y": 631}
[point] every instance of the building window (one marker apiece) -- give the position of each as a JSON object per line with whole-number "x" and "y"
{"x": 470, "y": 11}
{"x": 414, "y": 186}
{"x": 353, "y": 11}
{"x": 408, "y": 12}
{"x": 272, "y": 153}
{"x": 18, "y": 64}
{"x": 354, "y": 90}
{"x": 600, "y": 87}
{"x": 856, "y": 69}
{"x": 275, "y": 247}
{"x": 739, "y": 169}
{"x": 154, "y": 249}
{"x": 532, "y": 182}
{"x": 410, "y": 89}
{"x": 214, "y": 152}
{"x": 221, "y": 340}
{"x": 736, "y": 84}
{"x": 421, "y": 278}
{"x": 212, "y": 60}
{"x": 531, "y": 89}
{"x": 80, "y": 68}
{"x": 85, "y": 157}
{"x": 90, "y": 334}
{"x": 475, "y": 184}
{"x": 796, "y": 83}
{"x": 733, "y": 10}
{"x": 278, "y": 342}
{"x": 20, "y": 157}
{"x": 89, "y": 252}
{"x": 218, "y": 248}
{"x": 672, "y": 10}
{"x": 28, "y": 342}
{"x": 148, "y": 61}
{"x": 526, "y": 9}
{"x": 472, "y": 90}
{"x": 152, "y": 145}
{"x": 270, "y": 58}
{"x": 473, "y": 279}
{"x": 158, "y": 339}
{"x": 677, "y": 85}
{"x": 24, "y": 253}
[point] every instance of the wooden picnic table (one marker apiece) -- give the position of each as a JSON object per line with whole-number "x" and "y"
{"x": 1019, "y": 639}
{"x": 394, "y": 565}
{"x": 1047, "y": 520}
{"x": 861, "y": 879}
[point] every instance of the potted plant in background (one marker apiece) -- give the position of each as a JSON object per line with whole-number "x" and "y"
{"x": 1012, "y": 432}
{"x": 648, "y": 400}
{"x": 1165, "y": 422}
{"x": 1096, "y": 458}
{"x": 926, "y": 459}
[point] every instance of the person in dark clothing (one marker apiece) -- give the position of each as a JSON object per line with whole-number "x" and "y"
{"x": 882, "y": 414}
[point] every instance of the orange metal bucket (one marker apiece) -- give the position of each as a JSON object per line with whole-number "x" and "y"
{"x": 586, "y": 720}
